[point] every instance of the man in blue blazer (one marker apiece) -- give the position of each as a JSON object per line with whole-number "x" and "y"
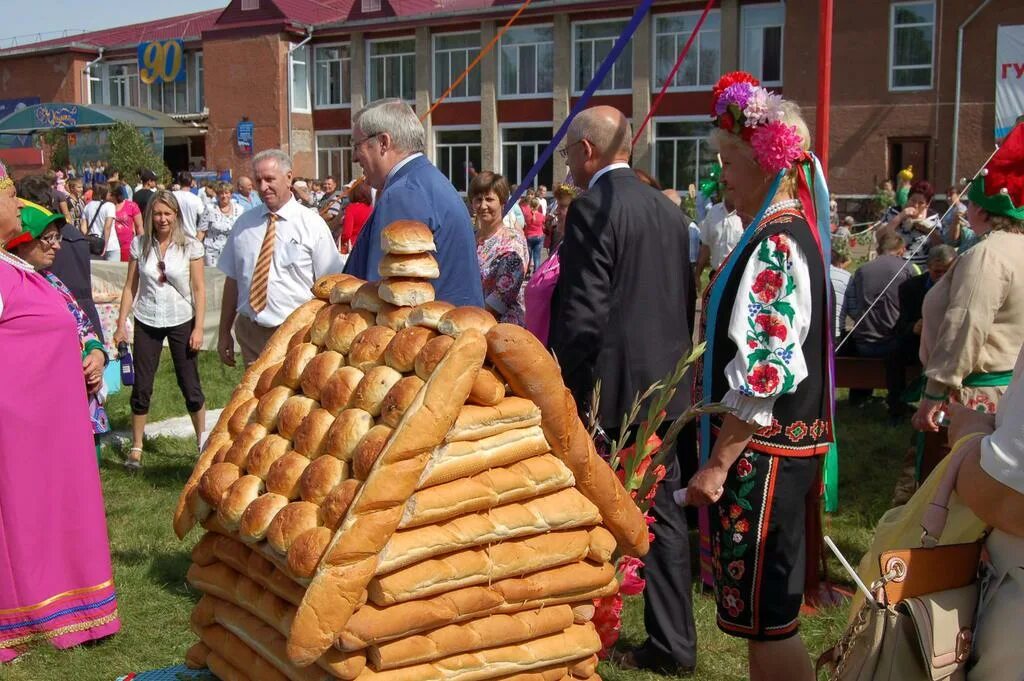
{"x": 388, "y": 141}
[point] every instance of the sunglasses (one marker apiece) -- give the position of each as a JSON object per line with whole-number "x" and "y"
{"x": 162, "y": 266}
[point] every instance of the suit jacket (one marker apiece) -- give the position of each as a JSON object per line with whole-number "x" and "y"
{"x": 911, "y": 295}
{"x": 418, "y": 191}
{"x": 623, "y": 308}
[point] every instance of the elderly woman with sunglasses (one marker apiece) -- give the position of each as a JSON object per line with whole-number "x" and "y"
{"x": 165, "y": 293}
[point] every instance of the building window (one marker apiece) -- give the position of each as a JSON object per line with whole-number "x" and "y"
{"x": 458, "y": 156}
{"x": 452, "y": 54}
{"x": 123, "y": 84}
{"x": 702, "y": 66}
{"x": 591, "y": 44}
{"x": 300, "y": 79}
{"x": 333, "y": 76}
{"x": 183, "y": 97}
{"x": 681, "y": 152}
{"x": 200, "y": 83}
{"x": 761, "y": 46}
{"x": 911, "y": 43}
{"x": 392, "y": 69}
{"x": 370, "y": 6}
{"x": 520, "y": 149}
{"x": 249, "y": 5}
{"x": 334, "y": 156}
{"x": 527, "y": 61}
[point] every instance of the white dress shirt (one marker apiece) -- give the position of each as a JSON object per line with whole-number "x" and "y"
{"x": 720, "y": 231}
{"x": 602, "y": 171}
{"x": 1002, "y": 452}
{"x": 191, "y": 208}
{"x": 167, "y": 304}
{"x": 303, "y": 252}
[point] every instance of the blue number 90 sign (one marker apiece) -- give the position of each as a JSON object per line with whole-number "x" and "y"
{"x": 162, "y": 60}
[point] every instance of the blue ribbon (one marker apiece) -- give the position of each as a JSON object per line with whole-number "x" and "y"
{"x": 581, "y": 103}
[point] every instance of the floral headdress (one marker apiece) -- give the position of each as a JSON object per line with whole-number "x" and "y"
{"x": 742, "y": 107}
{"x": 5, "y": 179}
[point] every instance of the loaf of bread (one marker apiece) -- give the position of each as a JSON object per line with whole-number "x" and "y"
{"x": 346, "y": 432}
{"x": 216, "y": 481}
{"x": 295, "y": 363}
{"x": 430, "y": 355}
{"x": 257, "y": 516}
{"x": 319, "y": 371}
{"x": 309, "y": 436}
{"x": 393, "y": 317}
{"x": 429, "y": 314}
{"x": 584, "y": 669}
{"x": 264, "y": 453}
{"x": 285, "y": 474}
{"x": 477, "y": 422}
{"x": 238, "y": 452}
{"x": 293, "y": 412}
{"x": 419, "y": 265}
{"x": 367, "y": 298}
{"x": 301, "y": 336}
{"x": 195, "y": 656}
{"x": 323, "y": 320}
{"x": 367, "y": 349}
{"x": 346, "y": 327}
{"x": 242, "y": 492}
{"x": 488, "y": 390}
{"x": 345, "y": 290}
{"x": 306, "y": 550}
{"x": 335, "y": 505}
{"x": 398, "y": 399}
{"x": 456, "y": 460}
{"x": 336, "y": 393}
{"x": 268, "y": 411}
{"x": 405, "y": 291}
{"x": 532, "y": 373}
{"x": 407, "y": 236}
{"x": 289, "y": 523}
{"x": 323, "y": 286}
{"x": 376, "y": 384}
{"x": 407, "y": 343}
{"x": 320, "y": 477}
{"x": 369, "y": 450}
{"x": 456, "y": 322}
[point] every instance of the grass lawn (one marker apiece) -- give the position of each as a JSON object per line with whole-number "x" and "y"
{"x": 150, "y": 563}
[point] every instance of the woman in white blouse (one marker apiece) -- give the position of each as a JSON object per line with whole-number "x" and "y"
{"x": 216, "y": 222}
{"x": 166, "y": 294}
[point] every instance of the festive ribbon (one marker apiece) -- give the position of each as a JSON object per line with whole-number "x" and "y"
{"x": 581, "y": 103}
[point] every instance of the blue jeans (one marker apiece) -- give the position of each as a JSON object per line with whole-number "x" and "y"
{"x": 535, "y": 243}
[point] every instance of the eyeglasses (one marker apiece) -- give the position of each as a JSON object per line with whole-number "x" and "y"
{"x": 564, "y": 151}
{"x": 160, "y": 265}
{"x": 52, "y": 240}
{"x": 356, "y": 145}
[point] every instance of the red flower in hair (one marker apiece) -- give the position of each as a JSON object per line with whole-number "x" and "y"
{"x": 730, "y": 79}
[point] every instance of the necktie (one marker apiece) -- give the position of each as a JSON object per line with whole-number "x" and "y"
{"x": 261, "y": 275}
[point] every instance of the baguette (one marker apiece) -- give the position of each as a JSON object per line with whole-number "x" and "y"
{"x": 203, "y": 552}
{"x": 523, "y": 480}
{"x": 225, "y": 671}
{"x": 533, "y": 373}
{"x": 555, "y": 673}
{"x": 477, "y": 422}
{"x": 562, "y": 510}
{"x": 583, "y": 612}
{"x": 305, "y": 552}
{"x": 461, "y": 459}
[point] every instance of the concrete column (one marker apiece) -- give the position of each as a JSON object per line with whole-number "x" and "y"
{"x": 561, "y": 97}
{"x": 642, "y": 157}
{"x": 424, "y": 95}
{"x": 490, "y": 138}
{"x": 357, "y": 77}
{"x": 730, "y": 35}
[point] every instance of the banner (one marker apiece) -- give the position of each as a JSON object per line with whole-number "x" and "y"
{"x": 1009, "y": 78}
{"x": 11, "y": 106}
{"x": 162, "y": 60}
{"x": 94, "y": 145}
{"x": 244, "y": 137}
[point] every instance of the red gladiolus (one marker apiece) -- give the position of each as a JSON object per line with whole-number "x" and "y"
{"x": 608, "y": 621}
{"x": 632, "y": 583}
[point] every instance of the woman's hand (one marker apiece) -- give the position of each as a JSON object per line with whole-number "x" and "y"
{"x": 927, "y": 417}
{"x": 92, "y": 368}
{"x": 964, "y": 421}
{"x": 706, "y": 486}
{"x": 195, "y": 340}
{"x": 120, "y": 334}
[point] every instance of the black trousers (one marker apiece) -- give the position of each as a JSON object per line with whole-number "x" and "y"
{"x": 149, "y": 341}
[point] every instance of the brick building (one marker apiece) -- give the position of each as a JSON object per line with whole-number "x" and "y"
{"x": 297, "y": 69}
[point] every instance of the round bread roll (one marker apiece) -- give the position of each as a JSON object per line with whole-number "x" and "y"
{"x": 305, "y": 552}
{"x": 301, "y": 336}
{"x": 319, "y": 478}
{"x": 368, "y": 449}
{"x": 319, "y": 369}
{"x": 345, "y": 290}
{"x": 433, "y": 352}
{"x": 419, "y": 265}
{"x": 295, "y": 363}
{"x": 221, "y": 451}
{"x": 285, "y": 474}
{"x": 398, "y": 400}
{"x": 215, "y": 482}
{"x": 429, "y": 314}
{"x": 366, "y": 298}
{"x": 322, "y": 322}
{"x": 293, "y": 412}
{"x": 264, "y": 453}
{"x": 368, "y": 347}
{"x": 407, "y": 236}
{"x": 323, "y": 286}
{"x": 242, "y": 492}
{"x": 268, "y": 379}
{"x": 400, "y": 354}
{"x": 241, "y": 417}
{"x": 289, "y": 523}
{"x": 310, "y": 434}
{"x": 256, "y": 518}
{"x": 456, "y": 321}
{"x": 346, "y": 432}
{"x": 488, "y": 388}
{"x": 405, "y": 291}
{"x": 335, "y": 506}
{"x": 238, "y": 454}
{"x": 393, "y": 317}
{"x": 337, "y": 391}
{"x": 369, "y": 394}
{"x": 346, "y": 327}
{"x": 269, "y": 410}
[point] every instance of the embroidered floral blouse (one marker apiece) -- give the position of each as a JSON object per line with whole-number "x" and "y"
{"x": 503, "y": 259}
{"x": 769, "y": 324}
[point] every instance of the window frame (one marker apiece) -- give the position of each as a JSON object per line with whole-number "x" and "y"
{"x": 696, "y": 46}
{"x": 191, "y": 87}
{"x": 746, "y": 9}
{"x": 433, "y": 65}
{"x": 501, "y": 58}
{"x": 107, "y": 83}
{"x": 892, "y": 47}
{"x": 654, "y": 143}
{"x": 502, "y": 127}
{"x": 437, "y": 129}
{"x": 373, "y": 96}
{"x": 572, "y": 60}
{"x": 316, "y": 90}
{"x": 292, "y": 61}
{"x": 321, "y": 172}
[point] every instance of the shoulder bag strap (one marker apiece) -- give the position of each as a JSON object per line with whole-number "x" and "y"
{"x": 933, "y": 522}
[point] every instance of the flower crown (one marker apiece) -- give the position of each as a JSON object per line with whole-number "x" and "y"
{"x": 742, "y": 107}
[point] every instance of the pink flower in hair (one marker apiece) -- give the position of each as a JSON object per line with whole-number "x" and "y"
{"x": 738, "y": 94}
{"x": 776, "y": 146}
{"x": 762, "y": 107}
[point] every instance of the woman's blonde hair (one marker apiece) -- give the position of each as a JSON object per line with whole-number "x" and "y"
{"x": 1003, "y": 223}
{"x": 178, "y": 236}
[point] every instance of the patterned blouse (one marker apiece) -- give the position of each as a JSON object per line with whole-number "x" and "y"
{"x": 503, "y": 259}
{"x": 217, "y": 226}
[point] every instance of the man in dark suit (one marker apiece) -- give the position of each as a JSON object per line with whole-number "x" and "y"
{"x": 622, "y": 312}
{"x": 388, "y": 141}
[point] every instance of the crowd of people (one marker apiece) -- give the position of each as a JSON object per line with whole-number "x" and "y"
{"x": 607, "y": 274}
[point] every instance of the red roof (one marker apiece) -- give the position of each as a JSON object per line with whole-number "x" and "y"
{"x": 184, "y": 26}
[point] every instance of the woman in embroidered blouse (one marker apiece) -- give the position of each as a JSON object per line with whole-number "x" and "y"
{"x": 216, "y": 222}
{"x": 767, "y": 326}
{"x": 500, "y": 249}
{"x": 166, "y": 294}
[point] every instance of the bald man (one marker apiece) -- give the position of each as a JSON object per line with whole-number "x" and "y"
{"x": 622, "y": 312}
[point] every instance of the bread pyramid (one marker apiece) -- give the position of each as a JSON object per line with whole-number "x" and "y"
{"x": 400, "y": 490}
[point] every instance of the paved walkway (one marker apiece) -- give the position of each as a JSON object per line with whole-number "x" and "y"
{"x": 180, "y": 426}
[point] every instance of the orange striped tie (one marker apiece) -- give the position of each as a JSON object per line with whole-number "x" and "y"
{"x": 261, "y": 275}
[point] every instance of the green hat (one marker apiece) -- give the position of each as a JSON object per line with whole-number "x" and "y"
{"x": 34, "y": 220}
{"x": 999, "y": 188}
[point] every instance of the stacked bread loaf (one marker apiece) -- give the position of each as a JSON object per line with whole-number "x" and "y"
{"x": 400, "y": 492}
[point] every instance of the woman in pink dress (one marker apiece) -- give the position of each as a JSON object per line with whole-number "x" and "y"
{"x": 127, "y": 219}
{"x": 56, "y": 581}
